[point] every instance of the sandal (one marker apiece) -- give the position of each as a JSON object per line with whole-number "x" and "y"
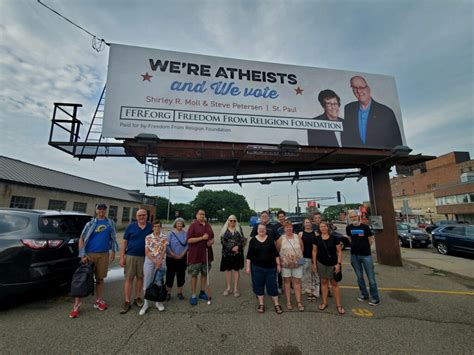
{"x": 341, "y": 310}
{"x": 311, "y": 298}
{"x": 323, "y": 306}
{"x": 289, "y": 306}
{"x": 261, "y": 308}
{"x": 236, "y": 293}
{"x": 226, "y": 292}
{"x": 278, "y": 309}
{"x": 300, "y": 306}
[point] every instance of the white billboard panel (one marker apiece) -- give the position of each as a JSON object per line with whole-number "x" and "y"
{"x": 183, "y": 96}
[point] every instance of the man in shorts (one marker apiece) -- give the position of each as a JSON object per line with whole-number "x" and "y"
{"x": 97, "y": 238}
{"x": 132, "y": 258}
{"x": 200, "y": 238}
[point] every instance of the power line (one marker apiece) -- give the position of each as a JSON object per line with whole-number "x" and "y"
{"x": 97, "y": 43}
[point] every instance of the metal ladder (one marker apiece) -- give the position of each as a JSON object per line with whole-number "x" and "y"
{"x": 94, "y": 134}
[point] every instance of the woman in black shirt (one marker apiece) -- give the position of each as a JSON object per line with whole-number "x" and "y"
{"x": 264, "y": 262}
{"x": 327, "y": 258}
{"x": 310, "y": 278}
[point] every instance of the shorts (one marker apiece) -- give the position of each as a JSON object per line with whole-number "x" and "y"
{"x": 101, "y": 264}
{"x": 195, "y": 269}
{"x": 134, "y": 266}
{"x": 297, "y": 273}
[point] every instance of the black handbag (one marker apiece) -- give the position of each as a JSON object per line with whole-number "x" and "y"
{"x": 155, "y": 292}
{"x": 338, "y": 275}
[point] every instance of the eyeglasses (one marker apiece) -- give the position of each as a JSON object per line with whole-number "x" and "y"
{"x": 333, "y": 104}
{"x": 356, "y": 88}
{"x": 232, "y": 220}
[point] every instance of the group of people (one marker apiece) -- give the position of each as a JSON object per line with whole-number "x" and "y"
{"x": 277, "y": 259}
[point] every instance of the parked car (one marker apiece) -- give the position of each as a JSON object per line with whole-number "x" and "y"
{"x": 458, "y": 237}
{"x": 37, "y": 249}
{"x": 418, "y": 237}
{"x": 431, "y": 227}
{"x": 254, "y": 220}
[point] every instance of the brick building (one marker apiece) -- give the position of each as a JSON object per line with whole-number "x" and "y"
{"x": 443, "y": 186}
{"x": 24, "y": 185}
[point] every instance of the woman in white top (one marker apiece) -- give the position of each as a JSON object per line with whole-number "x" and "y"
{"x": 291, "y": 247}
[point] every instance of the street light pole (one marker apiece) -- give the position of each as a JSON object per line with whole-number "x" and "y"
{"x": 169, "y": 201}
{"x": 268, "y": 200}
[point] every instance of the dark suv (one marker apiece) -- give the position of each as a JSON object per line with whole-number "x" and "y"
{"x": 37, "y": 248}
{"x": 458, "y": 237}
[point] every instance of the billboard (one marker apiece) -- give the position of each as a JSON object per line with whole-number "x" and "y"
{"x": 183, "y": 96}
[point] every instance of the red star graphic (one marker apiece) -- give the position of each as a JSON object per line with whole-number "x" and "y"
{"x": 146, "y": 77}
{"x": 299, "y": 91}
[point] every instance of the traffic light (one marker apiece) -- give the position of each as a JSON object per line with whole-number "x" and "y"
{"x": 338, "y": 194}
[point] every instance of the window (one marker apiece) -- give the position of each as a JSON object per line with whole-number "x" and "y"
{"x": 113, "y": 210}
{"x": 126, "y": 214}
{"x": 63, "y": 224}
{"x": 57, "y": 205}
{"x": 80, "y": 207}
{"x": 11, "y": 223}
{"x": 458, "y": 231}
{"x": 462, "y": 198}
{"x": 451, "y": 200}
{"x": 22, "y": 202}
{"x": 471, "y": 197}
{"x": 134, "y": 214}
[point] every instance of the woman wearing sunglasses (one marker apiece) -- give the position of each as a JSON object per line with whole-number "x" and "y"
{"x": 232, "y": 239}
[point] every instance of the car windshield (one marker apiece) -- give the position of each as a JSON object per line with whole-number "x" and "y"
{"x": 63, "y": 224}
{"x": 403, "y": 226}
{"x": 11, "y": 223}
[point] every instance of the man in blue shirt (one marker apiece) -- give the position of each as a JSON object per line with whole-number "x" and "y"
{"x": 97, "y": 238}
{"x": 132, "y": 258}
{"x": 367, "y": 123}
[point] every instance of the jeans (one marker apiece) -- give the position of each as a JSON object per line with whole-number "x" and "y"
{"x": 264, "y": 278}
{"x": 149, "y": 270}
{"x": 359, "y": 263}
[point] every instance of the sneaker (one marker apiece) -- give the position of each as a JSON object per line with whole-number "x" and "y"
{"x": 193, "y": 301}
{"x": 160, "y": 306}
{"x": 138, "y": 302}
{"x": 203, "y": 296}
{"x": 374, "y": 303}
{"x": 125, "y": 307}
{"x": 75, "y": 312}
{"x": 180, "y": 296}
{"x": 100, "y": 305}
{"x": 362, "y": 299}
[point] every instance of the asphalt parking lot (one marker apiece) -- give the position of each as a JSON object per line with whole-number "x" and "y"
{"x": 423, "y": 310}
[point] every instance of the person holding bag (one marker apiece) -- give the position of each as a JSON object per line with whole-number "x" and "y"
{"x": 327, "y": 258}
{"x": 176, "y": 258}
{"x": 154, "y": 268}
{"x": 290, "y": 247}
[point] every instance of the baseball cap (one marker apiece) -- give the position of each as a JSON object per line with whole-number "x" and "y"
{"x": 101, "y": 205}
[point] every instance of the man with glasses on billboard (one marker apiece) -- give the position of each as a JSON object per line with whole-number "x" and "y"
{"x": 367, "y": 123}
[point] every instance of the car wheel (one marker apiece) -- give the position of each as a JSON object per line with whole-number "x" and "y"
{"x": 442, "y": 248}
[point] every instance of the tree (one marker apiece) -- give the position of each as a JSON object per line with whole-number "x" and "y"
{"x": 220, "y": 204}
{"x": 333, "y": 212}
{"x": 162, "y": 208}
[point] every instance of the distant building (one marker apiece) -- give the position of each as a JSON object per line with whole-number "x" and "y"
{"x": 442, "y": 188}
{"x": 24, "y": 185}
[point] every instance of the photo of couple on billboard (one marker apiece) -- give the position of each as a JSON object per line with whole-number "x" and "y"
{"x": 367, "y": 123}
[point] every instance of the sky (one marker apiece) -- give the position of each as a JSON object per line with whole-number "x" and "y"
{"x": 426, "y": 45}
